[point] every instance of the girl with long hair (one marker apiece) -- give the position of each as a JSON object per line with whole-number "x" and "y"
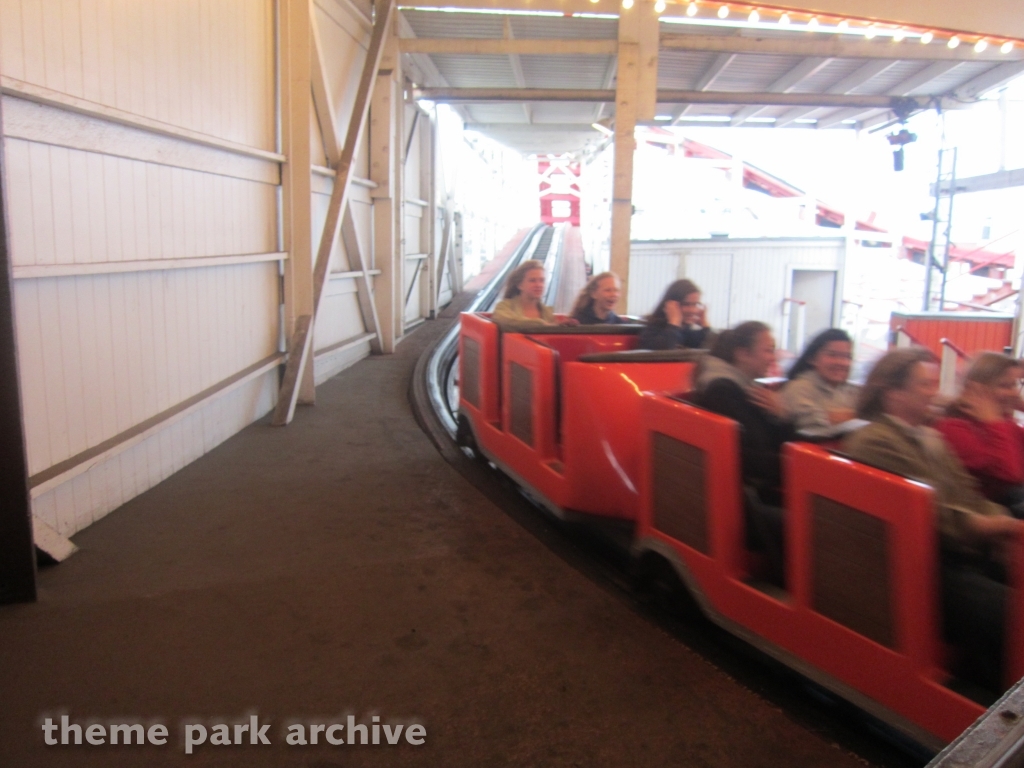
{"x": 595, "y": 302}
{"x": 679, "y": 320}
{"x": 523, "y": 307}
{"x": 980, "y": 428}
{"x": 818, "y": 395}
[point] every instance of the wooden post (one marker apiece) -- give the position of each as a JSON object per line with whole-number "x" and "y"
{"x": 636, "y": 96}
{"x": 299, "y": 348}
{"x": 622, "y": 179}
{"x": 17, "y": 554}
{"x": 430, "y": 214}
{"x": 383, "y": 149}
{"x": 297, "y": 191}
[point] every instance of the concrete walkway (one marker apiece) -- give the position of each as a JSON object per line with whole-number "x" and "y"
{"x": 339, "y": 566}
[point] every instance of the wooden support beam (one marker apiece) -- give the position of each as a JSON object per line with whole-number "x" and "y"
{"x": 517, "y": 67}
{"x": 334, "y": 150}
{"x": 919, "y": 80}
{"x": 507, "y": 46}
{"x": 430, "y": 214}
{"x": 647, "y": 34}
{"x": 17, "y": 555}
{"x": 861, "y": 101}
{"x": 622, "y": 180}
{"x": 385, "y": 146}
{"x": 455, "y": 260}
{"x": 322, "y": 93}
{"x": 297, "y": 189}
{"x": 443, "y": 251}
{"x": 854, "y": 80}
{"x": 301, "y": 337}
{"x": 364, "y": 289}
{"x": 833, "y": 47}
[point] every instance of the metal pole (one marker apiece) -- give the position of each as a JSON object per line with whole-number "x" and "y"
{"x": 949, "y": 233}
{"x": 927, "y": 303}
{"x": 17, "y": 552}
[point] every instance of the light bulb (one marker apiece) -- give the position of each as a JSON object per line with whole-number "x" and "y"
{"x": 1006, "y": 47}
{"x": 659, "y": 7}
{"x": 627, "y": 4}
{"x": 754, "y": 17}
{"x": 927, "y": 37}
{"x": 723, "y": 12}
{"x": 784, "y": 19}
{"x": 899, "y": 36}
{"x": 954, "y": 42}
{"x": 691, "y": 9}
{"x": 812, "y": 23}
{"x": 843, "y": 25}
{"x": 980, "y": 46}
{"x": 871, "y": 32}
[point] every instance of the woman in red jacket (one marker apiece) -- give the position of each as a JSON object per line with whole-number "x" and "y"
{"x": 980, "y": 428}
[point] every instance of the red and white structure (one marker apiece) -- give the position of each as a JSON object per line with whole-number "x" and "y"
{"x": 559, "y": 189}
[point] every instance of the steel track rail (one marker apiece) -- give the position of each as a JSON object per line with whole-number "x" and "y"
{"x": 434, "y": 373}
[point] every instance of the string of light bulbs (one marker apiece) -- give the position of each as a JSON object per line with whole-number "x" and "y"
{"x": 766, "y": 16}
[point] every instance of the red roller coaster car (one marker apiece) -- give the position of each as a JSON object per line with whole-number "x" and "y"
{"x": 589, "y": 426}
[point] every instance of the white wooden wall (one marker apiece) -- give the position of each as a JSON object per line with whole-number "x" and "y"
{"x": 740, "y": 279}
{"x": 141, "y": 179}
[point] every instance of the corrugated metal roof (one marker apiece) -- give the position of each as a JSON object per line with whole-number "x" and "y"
{"x": 475, "y": 71}
{"x": 584, "y": 72}
{"x": 677, "y": 69}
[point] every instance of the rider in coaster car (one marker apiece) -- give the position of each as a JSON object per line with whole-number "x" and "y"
{"x": 522, "y": 308}
{"x": 974, "y": 532}
{"x": 679, "y": 320}
{"x": 597, "y": 299}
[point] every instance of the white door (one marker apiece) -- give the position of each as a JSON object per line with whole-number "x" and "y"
{"x": 817, "y": 290}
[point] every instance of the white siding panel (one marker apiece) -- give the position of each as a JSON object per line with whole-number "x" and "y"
{"x": 79, "y": 206}
{"x": 93, "y": 494}
{"x": 104, "y": 345}
{"x": 712, "y": 272}
{"x": 740, "y": 279}
{"x": 12, "y": 62}
{"x": 149, "y": 58}
{"x": 649, "y": 274}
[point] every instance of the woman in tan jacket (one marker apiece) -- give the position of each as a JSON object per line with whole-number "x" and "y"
{"x": 897, "y": 398}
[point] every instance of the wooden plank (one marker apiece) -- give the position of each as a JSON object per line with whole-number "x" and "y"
{"x": 345, "y": 344}
{"x": 322, "y": 93}
{"x": 622, "y": 180}
{"x": 17, "y": 555}
{"x": 149, "y": 265}
{"x": 52, "y": 125}
{"x": 647, "y": 33}
{"x": 59, "y": 474}
{"x": 298, "y": 350}
{"x": 673, "y": 96}
{"x": 360, "y": 109}
{"x": 443, "y": 251}
{"x": 335, "y": 152}
{"x": 296, "y": 110}
{"x": 383, "y": 142}
{"x": 43, "y": 95}
{"x": 364, "y": 291}
{"x": 507, "y": 47}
